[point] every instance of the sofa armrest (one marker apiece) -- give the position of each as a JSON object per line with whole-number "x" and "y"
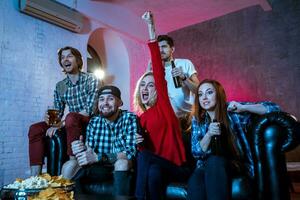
{"x": 290, "y": 134}
{"x": 57, "y": 152}
{"x": 273, "y": 134}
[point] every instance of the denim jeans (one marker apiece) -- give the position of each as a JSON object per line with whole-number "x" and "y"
{"x": 211, "y": 182}
{"x": 154, "y": 173}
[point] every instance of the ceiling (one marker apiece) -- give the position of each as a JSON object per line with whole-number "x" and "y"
{"x": 124, "y": 15}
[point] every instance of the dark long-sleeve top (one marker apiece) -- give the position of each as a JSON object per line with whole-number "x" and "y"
{"x": 163, "y": 133}
{"x": 238, "y": 125}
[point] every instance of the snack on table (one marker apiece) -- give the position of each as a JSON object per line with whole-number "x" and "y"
{"x": 40, "y": 182}
{"x": 59, "y": 181}
{"x": 53, "y": 194}
{"x": 44, "y": 187}
{"x": 34, "y": 182}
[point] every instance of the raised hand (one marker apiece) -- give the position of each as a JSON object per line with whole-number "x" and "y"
{"x": 148, "y": 17}
{"x": 235, "y": 107}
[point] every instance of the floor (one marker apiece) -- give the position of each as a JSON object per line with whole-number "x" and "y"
{"x": 296, "y": 195}
{"x": 293, "y": 171}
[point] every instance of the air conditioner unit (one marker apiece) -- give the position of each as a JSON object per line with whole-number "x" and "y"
{"x": 53, "y": 12}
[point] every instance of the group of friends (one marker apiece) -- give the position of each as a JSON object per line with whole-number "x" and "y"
{"x": 105, "y": 142}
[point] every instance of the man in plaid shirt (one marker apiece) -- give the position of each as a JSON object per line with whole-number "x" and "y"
{"x": 78, "y": 92}
{"x": 110, "y": 145}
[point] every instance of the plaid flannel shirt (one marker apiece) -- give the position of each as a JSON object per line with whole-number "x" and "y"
{"x": 106, "y": 137}
{"x": 238, "y": 124}
{"x": 79, "y": 97}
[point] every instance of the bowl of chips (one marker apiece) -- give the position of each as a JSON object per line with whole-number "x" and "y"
{"x": 39, "y": 187}
{"x": 58, "y": 182}
{"x": 53, "y": 194}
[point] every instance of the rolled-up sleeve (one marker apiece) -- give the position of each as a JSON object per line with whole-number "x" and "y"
{"x": 59, "y": 103}
{"x": 270, "y": 106}
{"x": 92, "y": 87}
{"x": 90, "y": 132}
{"x": 198, "y": 133}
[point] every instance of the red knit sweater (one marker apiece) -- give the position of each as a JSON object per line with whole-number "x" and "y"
{"x": 163, "y": 133}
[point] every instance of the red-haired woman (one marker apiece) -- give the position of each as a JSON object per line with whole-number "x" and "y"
{"x": 213, "y": 117}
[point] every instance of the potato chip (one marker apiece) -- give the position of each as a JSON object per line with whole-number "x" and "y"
{"x": 54, "y": 194}
{"x": 46, "y": 176}
{"x": 47, "y": 192}
{"x": 19, "y": 180}
{"x": 55, "y": 184}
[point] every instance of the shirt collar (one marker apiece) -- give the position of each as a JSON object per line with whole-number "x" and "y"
{"x": 69, "y": 82}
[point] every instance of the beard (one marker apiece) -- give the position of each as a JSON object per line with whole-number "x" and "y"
{"x": 165, "y": 57}
{"x": 109, "y": 113}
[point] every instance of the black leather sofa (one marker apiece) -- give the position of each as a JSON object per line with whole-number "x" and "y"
{"x": 270, "y": 137}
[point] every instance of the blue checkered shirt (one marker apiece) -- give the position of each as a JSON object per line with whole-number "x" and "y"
{"x": 106, "y": 137}
{"x": 238, "y": 125}
{"x": 79, "y": 97}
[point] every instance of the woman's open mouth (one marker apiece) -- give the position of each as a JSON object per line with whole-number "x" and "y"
{"x": 145, "y": 96}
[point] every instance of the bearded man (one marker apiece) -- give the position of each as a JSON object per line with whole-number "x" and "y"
{"x": 110, "y": 145}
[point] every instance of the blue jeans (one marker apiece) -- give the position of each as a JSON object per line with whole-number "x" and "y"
{"x": 211, "y": 182}
{"x": 154, "y": 173}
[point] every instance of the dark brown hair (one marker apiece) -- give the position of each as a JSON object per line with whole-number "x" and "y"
{"x": 75, "y": 52}
{"x": 166, "y": 38}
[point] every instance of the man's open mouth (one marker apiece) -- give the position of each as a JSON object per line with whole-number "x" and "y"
{"x": 67, "y": 65}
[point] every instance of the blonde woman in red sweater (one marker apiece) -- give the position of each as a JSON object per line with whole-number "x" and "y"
{"x": 162, "y": 157}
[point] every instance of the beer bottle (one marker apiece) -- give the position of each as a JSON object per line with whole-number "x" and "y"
{"x": 215, "y": 144}
{"x": 176, "y": 79}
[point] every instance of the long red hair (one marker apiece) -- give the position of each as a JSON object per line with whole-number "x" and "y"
{"x": 220, "y": 113}
{"x": 221, "y": 105}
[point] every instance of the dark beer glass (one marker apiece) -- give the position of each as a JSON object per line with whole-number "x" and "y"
{"x": 53, "y": 116}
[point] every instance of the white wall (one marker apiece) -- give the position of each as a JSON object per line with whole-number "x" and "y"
{"x": 114, "y": 57}
{"x": 28, "y": 73}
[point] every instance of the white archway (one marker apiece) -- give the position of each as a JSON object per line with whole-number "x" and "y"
{"x": 115, "y": 60}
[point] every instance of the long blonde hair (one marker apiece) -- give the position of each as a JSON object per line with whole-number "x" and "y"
{"x": 138, "y": 106}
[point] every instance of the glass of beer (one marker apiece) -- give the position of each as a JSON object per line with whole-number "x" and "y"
{"x": 53, "y": 116}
